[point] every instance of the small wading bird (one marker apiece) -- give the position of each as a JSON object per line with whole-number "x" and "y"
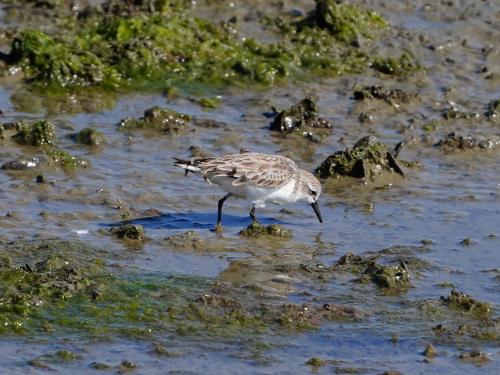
{"x": 257, "y": 177}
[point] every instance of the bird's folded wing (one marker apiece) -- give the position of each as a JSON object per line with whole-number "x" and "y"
{"x": 260, "y": 170}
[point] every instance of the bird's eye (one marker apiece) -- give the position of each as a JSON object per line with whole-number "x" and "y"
{"x": 314, "y": 192}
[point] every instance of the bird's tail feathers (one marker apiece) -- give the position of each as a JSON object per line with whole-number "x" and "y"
{"x": 190, "y": 165}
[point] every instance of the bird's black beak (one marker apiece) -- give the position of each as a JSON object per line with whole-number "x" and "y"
{"x": 317, "y": 211}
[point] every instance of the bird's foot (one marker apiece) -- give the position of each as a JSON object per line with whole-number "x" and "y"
{"x": 218, "y": 228}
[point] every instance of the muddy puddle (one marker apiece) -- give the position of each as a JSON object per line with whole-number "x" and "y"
{"x": 109, "y": 260}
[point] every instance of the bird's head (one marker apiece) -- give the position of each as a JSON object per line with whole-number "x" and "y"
{"x": 310, "y": 191}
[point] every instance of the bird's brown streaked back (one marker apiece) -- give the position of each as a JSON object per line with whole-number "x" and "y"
{"x": 261, "y": 170}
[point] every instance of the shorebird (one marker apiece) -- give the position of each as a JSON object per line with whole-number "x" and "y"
{"x": 256, "y": 177}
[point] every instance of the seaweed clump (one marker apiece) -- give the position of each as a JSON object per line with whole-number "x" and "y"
{"x": 65, "y": 160}
{"x": 367, "y": 159}
{"x": 400, "y": 66}
{"x": 89, "y": 137}
{"x": 258, "y": 230}
{"x": 146, "y": 50}
{"x": 344, "y": 21}
{"x": 38, "y": 134}
{"x": 25, "y": 290}
{"x": 59, "y": 63}
{"x": 21, "y": 164}
{"x": 394, "y": 97}
{"x": 493, "y": 109}
{"x": 390, "y": 278}
{"x": 157, "y": 118}
{"x": 465, "y": 302}
{"x": 305, "y": 316}
{"x": 129, "y": 231}
{"x": 155, "y": 44}
{"x": 300, "y": 117}
{"x": 452, "y": 142}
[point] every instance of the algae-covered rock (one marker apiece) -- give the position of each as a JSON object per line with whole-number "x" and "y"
{"x": 453, "y": 113}
{"x": 345, "y": 22}
{"x": 474, "y": 356}
{"x": 129, "y": 231}
{"x": 64, "y": 159}
{"x": 157, "y": 118}
{"x": 209, "y": 102}
{"x": 430, "y": 351}
{"x": 300, "y": 117}
{"x": 38, "y": 134}
{"x": 22, "y": 164}
{"x": 89, "y": 137}
{"x": 305, "y": 316}
{"x": 125, "y": 50}
{"x": 189, "y": 239}
{"x": 158, "y": 44}
{"x": 493, "y": 109}
{"x": 258, "y": 230}
{"x": 62, "y": 355}
{"x": 315, "y": 362}
{"x": 58, "y": 275}
{"x": 393, "y": 278}
{"x": 137, "y": 7}
{"x": 59, "y": 63}
{"x": 465, "y": 302}
{"x": 100, "y": 366}
{"x": 391, "y": 96}
{"x": 368, "y": 159}
{"x": 390, "y": 278}
{"x": 350, "y": 258}
{"x": 453, "y": 141}
{"x": 396, "y": 66}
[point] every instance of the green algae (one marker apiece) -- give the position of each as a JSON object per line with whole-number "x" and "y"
{"x": 38, "y": 134}
{"x": 53, "y": 287}
{"x": 63, "y": 159}
{"x": 391, "y": 96}
{"x": 100, "y": 366}
{"x": 453, "y": 141}
{"x": 477, "y": 357}
{"x": 157, "y": 44}
{"x": 391, "y": 279}
{"x": 151, "y": 49}
{"x": 303, "y": 317}
{"x": 273, "y": 230}
{"x": 429, "y": 351}
{"x": 59, "y": 64}
{"x": 156, "y": 118}
{"x": 462, "y": 301}
{"x": 210, "y": 103}
{"x": 69, "y": 290}
{"x": 345, "y": 22}
{"x": 88, "y": 137}
{"x": 129, "y": 231}
{"x": 394, "y": 278}
{"x": 400, "y": 66}
{"x": 129, "y": 8}
{"x": 26, "y": 290}
{"x": 315, "y": 362}
{"x": 62, "y": 355}
{"x": 367, "y": 159}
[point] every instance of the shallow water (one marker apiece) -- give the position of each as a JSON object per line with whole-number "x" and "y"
{"x": 453, "y": 196}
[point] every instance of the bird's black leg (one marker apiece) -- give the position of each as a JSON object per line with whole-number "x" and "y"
{"x": 252, "y": 214}
{"x": 219, "y": 212}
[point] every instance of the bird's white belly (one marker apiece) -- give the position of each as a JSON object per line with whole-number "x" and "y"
{"x": 283, "y": 194}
